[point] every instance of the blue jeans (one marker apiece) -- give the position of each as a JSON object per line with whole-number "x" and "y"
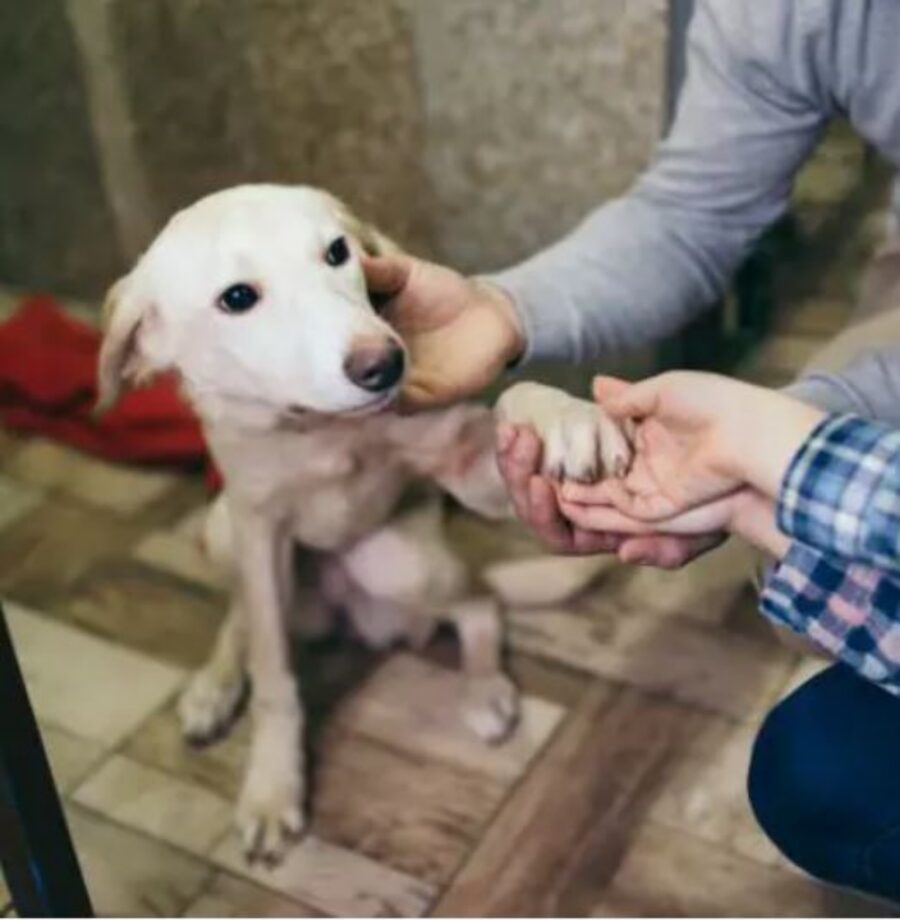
{"x": 825, "y": 781}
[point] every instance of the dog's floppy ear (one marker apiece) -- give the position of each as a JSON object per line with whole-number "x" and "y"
{"x": 372, "y": 240}
{"x": 122, "y": 360}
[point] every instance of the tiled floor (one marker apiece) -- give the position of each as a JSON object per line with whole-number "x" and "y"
{"x": 622, "y": 793}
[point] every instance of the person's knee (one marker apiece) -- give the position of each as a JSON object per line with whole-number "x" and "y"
{"x": 822, "y": 781}
{"x": 796, "y": 787}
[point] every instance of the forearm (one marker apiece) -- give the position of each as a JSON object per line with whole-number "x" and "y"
{"x": 625, "y": 277}
{"x": 641, "y": 266}
{"x": 772, "y": 428}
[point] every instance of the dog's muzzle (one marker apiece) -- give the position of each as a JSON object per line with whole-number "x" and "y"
{"x": 375, "y": 367}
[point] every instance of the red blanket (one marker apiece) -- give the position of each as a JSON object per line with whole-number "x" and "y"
{"x": 48, "y": 365}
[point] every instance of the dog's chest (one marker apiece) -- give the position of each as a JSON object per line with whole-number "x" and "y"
{"x": 330, "y": 486}
{"x": 334, "y": 510}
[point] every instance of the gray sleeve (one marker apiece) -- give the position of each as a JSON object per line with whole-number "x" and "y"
{"x": 867, "y": 386}
{"x": 639, "y": 267}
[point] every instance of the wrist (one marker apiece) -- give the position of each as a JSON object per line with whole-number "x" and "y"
{"x": 765, "y": 431}
{"x": 502, "y": 305}
{"x": 753, "y": 519}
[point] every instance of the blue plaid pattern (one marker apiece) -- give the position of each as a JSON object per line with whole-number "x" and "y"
{"x": 850, "y": 611}
{"x": 841, "y": 493}
{"x": 839, "y": 584}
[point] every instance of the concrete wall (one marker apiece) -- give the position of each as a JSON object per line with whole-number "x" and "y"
{"x": 473, "y": 130}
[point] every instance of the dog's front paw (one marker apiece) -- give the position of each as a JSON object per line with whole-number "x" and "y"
{"x": 490, "y": 707}
{"x": 269, "y": 818}
{"x": 580, "y": 441}
{"x": 210, "y": 703}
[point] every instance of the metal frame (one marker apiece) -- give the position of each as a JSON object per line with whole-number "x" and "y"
{"x": 36, "y": 850}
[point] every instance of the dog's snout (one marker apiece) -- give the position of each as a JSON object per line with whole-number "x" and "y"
{"x": 375, "y": 366}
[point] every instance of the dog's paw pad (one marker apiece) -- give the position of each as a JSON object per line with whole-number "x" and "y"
{"x": 490, "y": 707}
{"x": 208, "y": 707}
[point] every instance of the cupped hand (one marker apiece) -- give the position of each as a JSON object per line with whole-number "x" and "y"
{"x": 537, "y": 503}
{"x": 687, "y": 427}
{"x": 461, "y": 332}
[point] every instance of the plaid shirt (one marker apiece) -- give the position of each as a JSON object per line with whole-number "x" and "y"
{"x": 839, "y": 584}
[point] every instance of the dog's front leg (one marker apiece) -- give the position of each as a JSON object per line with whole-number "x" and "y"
{"x": 270, "y": 809}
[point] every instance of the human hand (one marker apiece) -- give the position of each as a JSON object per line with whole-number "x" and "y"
{"x": 746, "y": 513}
{"x": 461, "y": 332}
{"x": 698, "y": 438}
{"x": 535, "y": 499}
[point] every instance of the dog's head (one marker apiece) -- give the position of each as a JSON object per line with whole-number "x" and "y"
{"x": 255, "y": 297}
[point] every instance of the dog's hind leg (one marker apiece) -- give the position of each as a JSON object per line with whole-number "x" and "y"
{"x": 490, "y": 701}
{"x": 215, "y": 694}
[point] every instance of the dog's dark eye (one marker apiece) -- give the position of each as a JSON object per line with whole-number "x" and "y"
{"x": 239, "y": 298}
{"x": 338, "y": 252}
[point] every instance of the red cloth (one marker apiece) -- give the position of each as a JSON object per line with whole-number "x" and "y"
{"x": 48, "y": 367}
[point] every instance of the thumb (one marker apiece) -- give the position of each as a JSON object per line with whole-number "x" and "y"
{"x": 386, "y": 274}
{"x": 634, "y": 401}
{"x": 605, "y": 388}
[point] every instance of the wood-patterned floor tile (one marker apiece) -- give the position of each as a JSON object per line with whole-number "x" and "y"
{"x": 569, "y": 818}
{"x": 668, "y": 655}
{"x": 705, "y": 795}
{"x": 216, "y": 767}
{"x": 158, "y": 804}
{"x": 230, "y": 896}
{"x": 147, "y": 610}
{"x": 113, "y": 487}
{"x": 85, "y": 685}
{"x": 667, "y": 873}
{"x": 704, "y": 591}
{"x": 415, "y": 814}
{"x": 71, "y": 757}
{"x": 179, "y": 554}
{"x": 43, "y": 553}
{"x": 412, "y": 704}
{"x": 130, "y": 875}
{"x": 334, "y": 880}
{"x": 16, "y": 500}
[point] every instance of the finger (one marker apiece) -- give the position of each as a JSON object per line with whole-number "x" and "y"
{"x": 518, "y": 465}
{"x": 584, "y": 493}
{"x": 589, "y": 542}
{"x": 667, "y": 552}
{"x": 504, "y": 436}
{"x": 648, "y": 507}
{"x": 601, "y": 518}
{"x": 386, "y": 274}
{"x": 605, "y": 388}
{"x": 545, "y": 517}
{"x": 636, "y": 401}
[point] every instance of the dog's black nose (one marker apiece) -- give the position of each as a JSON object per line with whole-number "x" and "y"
{"x": 375, "y": 366}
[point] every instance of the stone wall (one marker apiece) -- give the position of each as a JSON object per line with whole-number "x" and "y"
{"x": 472, "y": 130}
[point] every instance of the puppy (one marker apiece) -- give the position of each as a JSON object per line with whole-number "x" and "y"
{"x": 256, "y": 299}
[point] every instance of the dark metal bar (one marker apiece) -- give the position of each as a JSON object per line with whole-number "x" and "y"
{"x": 36, "y": 851}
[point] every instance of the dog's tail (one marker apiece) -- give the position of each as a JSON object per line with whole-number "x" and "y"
{"x": 542, "y": 581}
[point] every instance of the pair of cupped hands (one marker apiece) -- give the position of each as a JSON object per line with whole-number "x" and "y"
{"x": 708, "y": 456}
{"x": 709, "y": 452}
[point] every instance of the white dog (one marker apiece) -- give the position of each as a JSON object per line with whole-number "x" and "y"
{"x": 255, "y": 297}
